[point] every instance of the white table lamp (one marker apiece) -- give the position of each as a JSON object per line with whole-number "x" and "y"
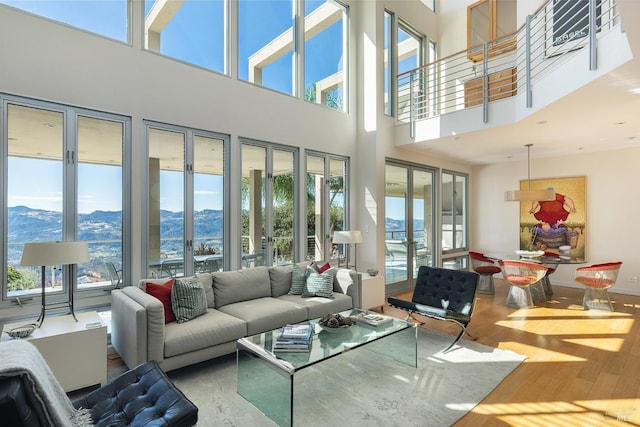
{"x": 348, "y": 237}
{"x": 55, "y": 253}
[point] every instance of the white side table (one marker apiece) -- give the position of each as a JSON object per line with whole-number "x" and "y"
{"x": 373, "y": 294}
{"x": 76, "y": 354}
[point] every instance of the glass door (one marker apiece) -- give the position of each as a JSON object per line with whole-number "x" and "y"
{"x": 186, "y": 232}
{"x": 268, "y": 204}
{"x": 409, "y": 223}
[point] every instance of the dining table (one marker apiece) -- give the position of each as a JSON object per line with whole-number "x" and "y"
{"x": 548, "y": 259}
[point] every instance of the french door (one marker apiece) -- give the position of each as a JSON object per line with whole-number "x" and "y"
{"x": 185, "y": 207}
{"x": 409, "y": 222}
{"x": 268, "y": 204}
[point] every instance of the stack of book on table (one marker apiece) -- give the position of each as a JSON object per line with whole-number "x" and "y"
{"x": 371, "y": 318}
{"x": 294, "y": 338}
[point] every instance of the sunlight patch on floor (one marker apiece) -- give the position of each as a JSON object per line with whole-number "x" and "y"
{"x": 571, "y": 311}
{"x": 541, "y": 354}
{"x": 560, "y": 414}
{"x": 605, "y": 344}
{"x": 557, "y": 326}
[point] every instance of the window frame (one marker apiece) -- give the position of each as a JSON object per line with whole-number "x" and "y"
{"x": 464, "y": 199}
{"x": 327, "y": 237}
{"x": 188, "y": 200}
{"x": 127, "y": 24}
{"x": 69, "y": 206}
{"x": 498, "y": 44}
{"x": 268, "y": 199}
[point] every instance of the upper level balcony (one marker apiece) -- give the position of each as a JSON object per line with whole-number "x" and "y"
{"x": 497, "y": 84}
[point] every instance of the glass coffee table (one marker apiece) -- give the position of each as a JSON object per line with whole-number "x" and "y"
{"x": 269, "y": 379}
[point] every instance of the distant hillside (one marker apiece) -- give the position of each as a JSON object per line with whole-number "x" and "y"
{"x": 30, "y": 225}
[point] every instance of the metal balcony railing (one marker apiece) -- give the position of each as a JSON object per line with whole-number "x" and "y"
{"x": 508, "y": 66}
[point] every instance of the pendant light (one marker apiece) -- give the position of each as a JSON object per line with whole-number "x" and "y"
{"x": 529, "y": 195}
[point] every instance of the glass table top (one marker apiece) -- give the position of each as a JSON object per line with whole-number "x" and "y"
{"x": 324, "y": 344}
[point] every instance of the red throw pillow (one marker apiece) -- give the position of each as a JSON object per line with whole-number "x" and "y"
{"x": 162, "y": 291}
{"x": 323, "y": 268}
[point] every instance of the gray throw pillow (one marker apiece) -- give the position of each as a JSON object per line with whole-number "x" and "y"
{"x": 298, "y": 280}
{"x": 319, "y": 284}
{"x": 188, "y": 299}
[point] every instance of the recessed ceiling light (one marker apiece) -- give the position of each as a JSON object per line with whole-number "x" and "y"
{"x": 618, "y": 123}
{"x": 541, "y": 122}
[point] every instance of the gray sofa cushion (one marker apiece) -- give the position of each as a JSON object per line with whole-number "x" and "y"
{"x": 241, "y": 285}
{"x": 318, "y": 306}
{"x": 208, "y": 330}
{"x": 280, "y": 279}
{"x": 264, "y": 314}
{"x": 207, "y": 284}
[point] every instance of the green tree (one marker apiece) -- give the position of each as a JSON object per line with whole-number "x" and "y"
{"x": 283, "y": 210}
{"x": 20, "y": 280}
{"x": 334, "y": 100}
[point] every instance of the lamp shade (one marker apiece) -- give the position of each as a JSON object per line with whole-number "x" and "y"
{"x": 54, "y": 253}
{"x": 346, "y": 237}
{"x": 356, "y": 235}
{"x": 530, "y": 195}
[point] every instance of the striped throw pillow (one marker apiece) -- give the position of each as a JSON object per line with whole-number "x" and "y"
{"x": 319, "y": 284}
{"x": 188, "y": 299}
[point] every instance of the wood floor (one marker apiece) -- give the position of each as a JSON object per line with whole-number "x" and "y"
{"x": 583, "y": 367}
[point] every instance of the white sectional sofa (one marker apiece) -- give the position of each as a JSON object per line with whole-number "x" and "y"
{"x": 240, "y": 303}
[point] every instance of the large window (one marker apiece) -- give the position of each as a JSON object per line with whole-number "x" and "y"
{"x": 265, "y": 44}
{"x": 109, "y": 18}
{"x": 326, "y": 210}
{"x": 454, "y": 211}
{"x": 192, "y": 31}
{"x": 64, "y": 181}
{"x": 268, "y": 56}
{"x": 404, "y": 51}
{"x": 325, "y": 29}
{"x": 490, "y": 21}
{"x": 185, "y": 205}
{"x": 389, "y": 74}
{"x": 409, "y": 222}
{"x": 268, "y": 204}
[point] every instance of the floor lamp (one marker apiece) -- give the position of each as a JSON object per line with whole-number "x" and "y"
{"x": 346, "y": 238}
{"x": 55, "y": 253}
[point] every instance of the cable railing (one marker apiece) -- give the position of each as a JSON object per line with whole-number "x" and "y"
{"x": 507, "y": 66}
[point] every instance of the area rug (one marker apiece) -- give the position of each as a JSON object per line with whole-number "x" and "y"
{"x": 362, "y": 388}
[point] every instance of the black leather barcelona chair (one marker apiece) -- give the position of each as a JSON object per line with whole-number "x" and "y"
{"x": 442, "y": 294}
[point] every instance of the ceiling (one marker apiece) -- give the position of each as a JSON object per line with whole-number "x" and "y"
{"x": 601, "y": 116}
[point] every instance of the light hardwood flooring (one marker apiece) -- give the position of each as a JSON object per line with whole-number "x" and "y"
{"x": 583, "y": 367}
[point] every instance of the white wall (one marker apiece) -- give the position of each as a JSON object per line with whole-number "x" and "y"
{"x": 612, "y": 214}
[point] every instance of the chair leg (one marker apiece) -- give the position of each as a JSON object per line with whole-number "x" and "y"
{"x": 597, "y": 299}
{"x": 547, "y": 285}
{"x": 485, "y": 284}
{"x": 519, "y": 297}
{"x": 537, "y": 291}
{"x": 463, "y": 331}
